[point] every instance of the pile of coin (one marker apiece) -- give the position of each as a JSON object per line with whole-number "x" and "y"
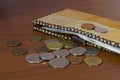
{"x": 56, "y": 53}
{"x": 90, "y": 26}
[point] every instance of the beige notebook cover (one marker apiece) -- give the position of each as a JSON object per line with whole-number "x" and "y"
{"x": 74, "y": 19}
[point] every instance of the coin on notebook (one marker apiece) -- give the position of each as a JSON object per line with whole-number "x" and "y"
{"x": 59, "y": 63}
{"x": 101, "y": 29}
{"x": 33, "y": 58}
{"x": 19, "y": 51}
{"x": 88, "y": 26}
{"x": 35, "y": 38}
{"x": 93, "y": 61}
{"x": 77, "y": 51}
{"x": 61, "y": 53}
{"x": 54, "y": 45}
{"x": 69, "y": 44}
{"x": 14, "y": 43}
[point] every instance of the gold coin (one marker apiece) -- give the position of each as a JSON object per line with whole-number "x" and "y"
{"x": 13, "y": 43}
{"x": 76, "y": 60}
{"x": 93, "y": 61}
{"x": 35, "y": 38}
{"x": 19, "y": 51}
{"x": 54, "y": 45}
{"x": 69, "y": 44}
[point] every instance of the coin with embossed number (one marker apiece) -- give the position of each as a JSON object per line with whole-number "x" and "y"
{"x": 61, "y": 53}
{"x": 35, "y": 38}
{"x": 14, "y": 43}
{"x": 47, "y": 56}
{"x": 91, "y": 51}
{"x": 88, "y": 26}
{"x": 69, "y": 44}
{"x": 76, "y": 60}
{"x": 33, "y": 58}
{"x": 19, "y": 51}
{"x": 54, "y": 45}
{"x": 59, "y": 63}
{"x": 101, "y": 29}
{"x": 93, "y": 61}
{"x": 77, "y": 51}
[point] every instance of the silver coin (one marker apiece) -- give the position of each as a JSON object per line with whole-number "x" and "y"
{"x": 101, "y": 29}
{"x": 91, "y": 51}
{"x": 77, "y": 51}
{"x": 33, "y": 58}
{"x": 47, "y": 56}
{"x": 50, "y": 40}
{"x": 61, "y": 53}
{"x": 59, "y": 63}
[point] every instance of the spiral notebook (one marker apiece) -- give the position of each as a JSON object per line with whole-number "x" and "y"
{"x": 68, "y": 22}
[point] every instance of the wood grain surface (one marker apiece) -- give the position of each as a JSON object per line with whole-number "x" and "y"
{"x": 15, "y": 23}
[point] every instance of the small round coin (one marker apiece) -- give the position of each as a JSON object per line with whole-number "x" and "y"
{"x": 51, "y": 40}
{"x": 19, "y": 51}
{"x": 54, "y": 45}
{"x": 76, "y": 60}
{"x": 77, "y": 51}
{"x": 91, "y": 51}
{"x": 93, "y": 61}
{"x": 88, "y": 26}
{"x": 61, "y": 53}
{"x": 35, "y": 38}
{"x": 101, "y": 29}
{"x": 47, "y": 56}
{"x": 59, "y": 63}
{"x": 42, "y": 49}
{"x": 69, "y": 44}
{"x": 13, "y": 43}
{"x": 33, "y": 58}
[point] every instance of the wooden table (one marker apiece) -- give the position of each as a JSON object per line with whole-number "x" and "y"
{"x": 15, "y": 23}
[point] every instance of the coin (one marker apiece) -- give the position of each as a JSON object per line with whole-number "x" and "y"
{"x": 69, "y": 44}
{"x": 88, "y": 26}
{"x": 42, "y": 49}
{"x": 51, "y": 40}
{"x": 14, "y": 43}
{"x": 61, "y": 53}
{"x": 93, "y": 61}
{"x": 59, "y": 63}
{"x": 47, "y": 56}
{"x": 35, "y": 38}
{"x": 101, "y": 29}
{"x": 77, "y": 51}
{"x": 33, "y": 58}
{"x": 78, "y": 39}
{"x": 76, "y": 60}
{"x": 54, "y": 45}
{"x": 91, "y": 51}
{"x": 19, "y": 51}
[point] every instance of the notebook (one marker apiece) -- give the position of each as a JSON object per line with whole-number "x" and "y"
{"x": 73, "y": 20}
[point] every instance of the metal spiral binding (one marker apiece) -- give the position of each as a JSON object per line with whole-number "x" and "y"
{"x": 38, "y": 24}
